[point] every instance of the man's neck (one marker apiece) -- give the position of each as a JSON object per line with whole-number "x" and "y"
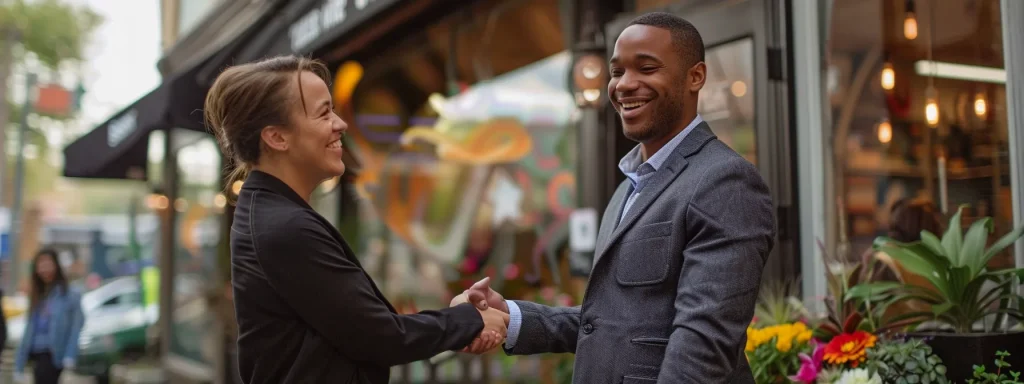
{"x": 291, "y": 177}
{"x": 650, "y": 147}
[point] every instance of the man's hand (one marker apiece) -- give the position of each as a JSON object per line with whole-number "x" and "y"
{"x": 482, "y": 296}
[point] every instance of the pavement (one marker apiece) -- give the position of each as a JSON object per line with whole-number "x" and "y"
{"x": 7, "y": 370}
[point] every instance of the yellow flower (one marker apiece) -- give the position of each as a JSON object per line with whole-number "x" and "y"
{"x": 785, "y": 336}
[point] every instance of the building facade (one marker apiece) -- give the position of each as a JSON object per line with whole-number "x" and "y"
{"x": 480, "y": 141}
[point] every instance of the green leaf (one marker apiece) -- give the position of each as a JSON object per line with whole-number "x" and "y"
{"x": 919, "y": 260}
{"x": 1003, "y": 242}
{"x": 932, "y": 242}
{"x": 871, "y": 291}
{"x": 972, "y": 252}
{"x": 953, "y": 239}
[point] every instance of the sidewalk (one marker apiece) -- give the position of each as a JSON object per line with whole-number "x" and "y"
{"x": 7, "y": 372}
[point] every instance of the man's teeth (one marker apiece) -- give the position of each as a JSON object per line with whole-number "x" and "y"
{"x": 336, "y": 144}
{"x": 633, "y": 104}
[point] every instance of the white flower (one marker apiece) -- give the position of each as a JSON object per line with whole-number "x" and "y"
{"x": 859, "y": 376}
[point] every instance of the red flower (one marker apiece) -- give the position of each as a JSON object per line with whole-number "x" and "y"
{"x": 849, "y": 348}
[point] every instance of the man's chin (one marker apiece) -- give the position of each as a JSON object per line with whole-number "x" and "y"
{"x": 637, "y": 133}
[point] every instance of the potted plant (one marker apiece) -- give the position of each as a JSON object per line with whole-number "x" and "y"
{"x": 970, "y": 303}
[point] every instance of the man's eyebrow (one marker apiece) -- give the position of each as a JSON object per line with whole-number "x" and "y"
{"x": 648, "y": 56}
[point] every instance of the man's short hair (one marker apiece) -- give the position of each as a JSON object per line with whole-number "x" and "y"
{"x": 685, "y": 37}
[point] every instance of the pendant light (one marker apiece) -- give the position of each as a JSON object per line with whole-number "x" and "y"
{"x": 980, "y": 105}
{"x": 888, "y": 74}
{"x": 931, "y": 107}
{"x": 884, "y": 131}
{"x": 910, "y": 21}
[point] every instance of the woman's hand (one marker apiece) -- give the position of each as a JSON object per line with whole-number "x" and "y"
{"x": 493, "y": 334}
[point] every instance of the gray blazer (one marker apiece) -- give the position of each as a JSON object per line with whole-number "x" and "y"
{"x": 673, "y": 286}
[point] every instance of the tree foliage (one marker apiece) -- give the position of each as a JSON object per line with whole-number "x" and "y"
{"x": 53, "y": 30}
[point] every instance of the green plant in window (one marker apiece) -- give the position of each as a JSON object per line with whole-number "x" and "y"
{"x": 906, "y": 362}
{"x": 998, "y": 377}
{"x": 957, "y": 268}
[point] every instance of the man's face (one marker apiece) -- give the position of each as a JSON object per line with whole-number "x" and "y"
{"x": 648, "y": 85}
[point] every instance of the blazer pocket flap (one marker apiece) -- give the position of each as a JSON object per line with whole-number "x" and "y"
{"x": 650, "y": 341}
{"x": 648, "y": 231}
{"x": 637, "y": 380}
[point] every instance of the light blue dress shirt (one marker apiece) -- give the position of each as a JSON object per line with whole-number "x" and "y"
{"x": 639, "y": 172}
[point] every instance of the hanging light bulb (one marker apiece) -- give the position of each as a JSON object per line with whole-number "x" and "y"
{"x": 884, "y": 131}
{"x": 910, "y": 22}
{"x": 931, "y": 108}
{"x": 980, "y": 106}
{"x": 888, "y": 75}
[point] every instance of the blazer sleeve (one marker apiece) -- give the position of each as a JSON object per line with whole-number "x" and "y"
{"x": 308, "y": 268}
{"x": 546, "y": 329}
{"x": 731, "y": 229}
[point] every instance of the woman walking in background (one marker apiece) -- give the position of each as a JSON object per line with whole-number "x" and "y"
{"x": 55, "y": 319}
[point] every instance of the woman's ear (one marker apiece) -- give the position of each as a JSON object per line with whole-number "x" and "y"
{"x": 275, "y": 137}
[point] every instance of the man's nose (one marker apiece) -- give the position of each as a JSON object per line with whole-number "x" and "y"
{"x": 627, "y": 83}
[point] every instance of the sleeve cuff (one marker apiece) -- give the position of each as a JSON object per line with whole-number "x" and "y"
{"x": 515, "y": 322}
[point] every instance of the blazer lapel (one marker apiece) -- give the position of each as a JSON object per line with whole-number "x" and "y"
{"x": 612, "y": 217}
{"x": 661, "y": 179}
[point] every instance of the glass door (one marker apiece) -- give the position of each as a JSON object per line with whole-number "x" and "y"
{"x": 744, "y": 99}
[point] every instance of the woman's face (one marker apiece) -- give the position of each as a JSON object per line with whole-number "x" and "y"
{"x": 314, "y": 142}
{"x": 46, "y": 269}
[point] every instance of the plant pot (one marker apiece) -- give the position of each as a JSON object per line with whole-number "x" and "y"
{"x": 961, "y": 352}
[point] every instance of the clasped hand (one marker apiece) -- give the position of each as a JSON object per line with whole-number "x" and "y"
{"x": 494, "y": 311}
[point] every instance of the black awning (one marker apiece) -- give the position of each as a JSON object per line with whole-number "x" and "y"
{"x": 311, "y": 27}
{"x": 117, "y": 148}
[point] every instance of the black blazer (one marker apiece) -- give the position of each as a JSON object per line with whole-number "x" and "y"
{"x": 307, "y": 311}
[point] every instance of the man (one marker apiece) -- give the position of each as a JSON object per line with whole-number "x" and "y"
{"x": 682, "y": 243}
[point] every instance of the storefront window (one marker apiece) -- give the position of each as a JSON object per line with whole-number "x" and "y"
{"x": 918, "y": 115}
{"x": 466, "y": 165}
{"x": 726, "y": 102}
{"x": 197, "y": 231}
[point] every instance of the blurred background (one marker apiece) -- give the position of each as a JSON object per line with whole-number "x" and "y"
{"x": 844, "y": 105}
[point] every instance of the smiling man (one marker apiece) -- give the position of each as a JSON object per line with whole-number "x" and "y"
{"x": 682, "y": 243}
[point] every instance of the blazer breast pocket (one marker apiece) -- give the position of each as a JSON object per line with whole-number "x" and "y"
{"x": 645, "y": 255}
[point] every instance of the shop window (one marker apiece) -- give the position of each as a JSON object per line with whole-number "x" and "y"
{"x": 726, "y": 102}
{"x": 466, "y": 162}
{"x": 918, "y": 111}
{"x": 198, "y": 214}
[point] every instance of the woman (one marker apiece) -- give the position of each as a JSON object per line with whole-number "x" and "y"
{"x": 55, "y": 320}
{"x": 306, "y": 310}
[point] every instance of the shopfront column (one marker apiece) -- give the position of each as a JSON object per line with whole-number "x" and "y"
{"x": 1013, "y": 40}
{"x": 811, "y": 147}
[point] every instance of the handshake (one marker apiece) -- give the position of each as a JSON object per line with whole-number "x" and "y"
{"x": 494, "y": 311}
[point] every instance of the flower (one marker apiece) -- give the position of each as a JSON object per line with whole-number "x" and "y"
{"x": 859, "y": 376}
{"x": 849, "y": 348}
{"x": 785, "y": 336}
{"x": 810, "y": 366}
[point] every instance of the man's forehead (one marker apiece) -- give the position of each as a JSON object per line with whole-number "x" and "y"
{"x": 647, "y": 37}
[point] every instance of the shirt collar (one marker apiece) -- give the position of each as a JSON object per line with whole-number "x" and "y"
{"x": 630, "y": 164}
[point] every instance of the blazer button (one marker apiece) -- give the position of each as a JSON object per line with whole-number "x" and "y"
{"x": 588, "y": 328}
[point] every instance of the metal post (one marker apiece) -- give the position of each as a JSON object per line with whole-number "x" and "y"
{"x": 811, "y": 148}
{"x": 19, "y": 179}
{"x": 1013, "y": 40}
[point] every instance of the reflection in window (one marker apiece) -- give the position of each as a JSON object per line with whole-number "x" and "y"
{"x": 934, "y": 136}
{"x": 466, "y": 162}
{"x": 727, "y": 100}
{"x": 197, "y": 232}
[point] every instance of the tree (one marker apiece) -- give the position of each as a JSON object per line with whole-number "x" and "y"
{"x": 53, "y": 31}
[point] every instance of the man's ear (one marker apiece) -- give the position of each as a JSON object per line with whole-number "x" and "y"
{"x": 698, "y": 75}
{"x": 275, "y": 137}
